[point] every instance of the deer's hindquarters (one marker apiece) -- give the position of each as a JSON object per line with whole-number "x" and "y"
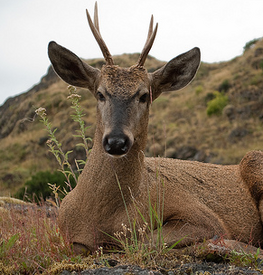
{"x": 251, "y": 169}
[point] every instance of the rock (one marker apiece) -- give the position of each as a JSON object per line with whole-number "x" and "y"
{"x": 201, "y": 156}
{"x": 258, "y": 52}
{"x": 230, "y": 112}
{"x": 257, "y": 64}
{"x": 42, "y": 141}
{"x": 170, "y": 153}
{"x": 119, "y": 270}
{"x": 186, "y": 152}
{"x": 237, "y": 134}
{"x": 251, "y": 94}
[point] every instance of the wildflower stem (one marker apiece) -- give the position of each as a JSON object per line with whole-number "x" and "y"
{"x": 61, "y": 158}
{"x": 74, "y": 97}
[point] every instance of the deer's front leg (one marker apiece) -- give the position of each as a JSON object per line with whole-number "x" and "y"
{"x": 193, "y": 227}
{"x": 184, "y": 233}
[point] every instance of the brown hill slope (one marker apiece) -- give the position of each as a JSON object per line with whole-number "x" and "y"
{"x": 179, "y": 124}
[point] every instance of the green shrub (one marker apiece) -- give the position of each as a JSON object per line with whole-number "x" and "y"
{"x": 224, "y": 86}
{"x": 38, "y": 187}
{"x": 216, "y": 105}
{"x": 198, "y": 90}
{"x": 250, "y": 43}
{"x": 209, "y": 97}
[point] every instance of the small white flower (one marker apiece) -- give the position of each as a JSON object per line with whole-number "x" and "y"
{"x": 73, "y": 96}
{"x": 41, "y": 111}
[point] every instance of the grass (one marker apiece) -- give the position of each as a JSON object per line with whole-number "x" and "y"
{"x": 221, "y": 251}
{"x": 137, "y": 240}
{"x": 30, "y": 241}
{"x": 244, "y": 259}
{"x": 31, "y": 244}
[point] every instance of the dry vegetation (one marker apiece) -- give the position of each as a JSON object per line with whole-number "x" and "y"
{"x": 31, "y": 244}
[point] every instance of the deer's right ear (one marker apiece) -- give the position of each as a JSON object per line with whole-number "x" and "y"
{"x": 71, "y": 69}
{"x": 176, "y": 74}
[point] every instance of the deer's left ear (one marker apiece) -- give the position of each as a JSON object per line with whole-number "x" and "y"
{"x": 176, "y": 74}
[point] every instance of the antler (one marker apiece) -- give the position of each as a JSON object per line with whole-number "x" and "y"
{"x": 148, "y": 43}
{"x": 96, "y": 32}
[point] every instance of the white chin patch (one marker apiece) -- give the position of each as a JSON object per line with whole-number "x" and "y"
{"x": 117, "y": 156}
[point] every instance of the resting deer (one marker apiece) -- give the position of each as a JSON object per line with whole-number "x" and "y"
{"x": 200, "y": 200}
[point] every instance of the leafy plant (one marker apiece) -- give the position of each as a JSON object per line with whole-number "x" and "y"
{"x": 77, "y": 117}
{"x": 6, "y": 245}
{"x": 37, "y": 187}
{"x": 209, "y": 97}
{"x": 216, "y": 105}
{"x": 244, "y": 259}
{"x": 55, "y": 147}
{"x": 250, "y": 43}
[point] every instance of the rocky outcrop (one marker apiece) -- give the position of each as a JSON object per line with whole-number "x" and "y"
{"x": 15, "y": 109}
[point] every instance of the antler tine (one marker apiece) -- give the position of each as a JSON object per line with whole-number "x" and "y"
{"x": 96, "y": 17}
{"x": 95, "y": 30}
{"x": 150, "y": 31}
{"x": 148, "y": 43}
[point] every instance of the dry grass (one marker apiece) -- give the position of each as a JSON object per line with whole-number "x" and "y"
{"x": 30, "y": 240}
{"x": 30, "y": 243}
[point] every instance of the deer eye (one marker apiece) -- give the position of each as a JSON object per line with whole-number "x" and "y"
{"x": 100, "y": 96}
{"x": 143, "y": 98}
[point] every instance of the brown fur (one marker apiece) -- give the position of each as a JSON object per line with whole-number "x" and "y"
{"x": 200, "y": 200}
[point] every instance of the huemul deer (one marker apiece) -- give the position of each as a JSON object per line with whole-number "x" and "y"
{"x": 200, "y": 200}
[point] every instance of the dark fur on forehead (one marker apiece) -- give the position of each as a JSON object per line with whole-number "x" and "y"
{"x": 123, "y": 81}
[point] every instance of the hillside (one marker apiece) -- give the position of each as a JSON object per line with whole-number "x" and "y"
{"x": 180, "y": 124}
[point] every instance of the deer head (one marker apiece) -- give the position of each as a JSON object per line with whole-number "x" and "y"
{"x": 123, "y": 94}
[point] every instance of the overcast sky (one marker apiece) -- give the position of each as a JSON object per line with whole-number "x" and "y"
{"x": 219, "y": 27}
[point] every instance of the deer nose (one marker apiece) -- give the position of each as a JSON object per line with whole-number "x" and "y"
{"x": 116, "y": 145}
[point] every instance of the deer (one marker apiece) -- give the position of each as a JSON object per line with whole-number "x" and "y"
{"x": 200, "y": 200}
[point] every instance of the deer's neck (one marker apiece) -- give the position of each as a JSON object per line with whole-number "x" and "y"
{"x": 103, "y": 175}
